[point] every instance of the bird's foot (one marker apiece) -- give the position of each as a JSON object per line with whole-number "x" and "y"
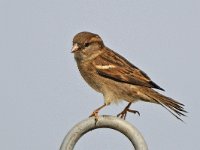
{"x": 95, "y": 114}
{"x": 125, "y": 111}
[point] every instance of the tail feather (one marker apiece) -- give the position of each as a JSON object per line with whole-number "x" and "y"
{"x": 173, "y": 106}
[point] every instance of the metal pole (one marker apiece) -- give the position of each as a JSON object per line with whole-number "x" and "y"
{"x": 115, "y": 123}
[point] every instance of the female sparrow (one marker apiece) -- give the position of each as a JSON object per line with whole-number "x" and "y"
{"x": 115, "y": 77}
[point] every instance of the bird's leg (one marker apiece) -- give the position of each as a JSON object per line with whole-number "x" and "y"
{"x": 126, "y": 109}
{"x": 96, "y": 111}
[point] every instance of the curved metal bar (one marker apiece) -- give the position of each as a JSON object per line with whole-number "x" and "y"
{"x": 115, "y": 123}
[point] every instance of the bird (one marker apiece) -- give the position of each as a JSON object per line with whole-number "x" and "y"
{"x": 111, "y": 74}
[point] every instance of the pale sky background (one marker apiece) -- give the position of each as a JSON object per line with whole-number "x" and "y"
{"x": 43, "y": 95}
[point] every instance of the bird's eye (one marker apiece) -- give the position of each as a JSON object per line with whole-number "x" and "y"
{"x": 86, "y": 44}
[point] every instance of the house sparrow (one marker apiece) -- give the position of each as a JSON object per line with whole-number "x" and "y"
{"x": 115, "y": 77}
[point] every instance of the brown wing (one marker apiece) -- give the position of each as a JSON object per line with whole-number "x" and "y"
{"x": 113, "y": 66}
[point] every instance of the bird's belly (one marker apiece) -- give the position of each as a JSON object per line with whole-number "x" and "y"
{"x": 116, "y": 91}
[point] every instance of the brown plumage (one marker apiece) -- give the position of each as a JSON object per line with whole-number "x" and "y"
{"x": 115, "y": 77}
{"x": 124, "y": 70}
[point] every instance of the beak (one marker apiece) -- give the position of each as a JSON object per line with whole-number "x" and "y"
{"x": 75, "y": 48}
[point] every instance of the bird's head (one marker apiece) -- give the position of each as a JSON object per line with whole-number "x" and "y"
{"x": 86, "y": 46}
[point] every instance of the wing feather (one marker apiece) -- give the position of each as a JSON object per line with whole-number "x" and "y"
{"x": 113, "y": 66}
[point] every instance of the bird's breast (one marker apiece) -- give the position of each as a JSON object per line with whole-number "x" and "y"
{"x": 90, "y": 76}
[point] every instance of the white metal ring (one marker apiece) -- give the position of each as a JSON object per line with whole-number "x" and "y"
{"x": 111, "y": 122}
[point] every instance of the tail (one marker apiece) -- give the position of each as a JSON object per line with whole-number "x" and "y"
{"x": 174, "y": 107}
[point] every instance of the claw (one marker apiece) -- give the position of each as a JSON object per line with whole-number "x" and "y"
{"x": 95, "y": 113}
{"x": 123, "y": 114}
{"x": 134, "y": 111}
